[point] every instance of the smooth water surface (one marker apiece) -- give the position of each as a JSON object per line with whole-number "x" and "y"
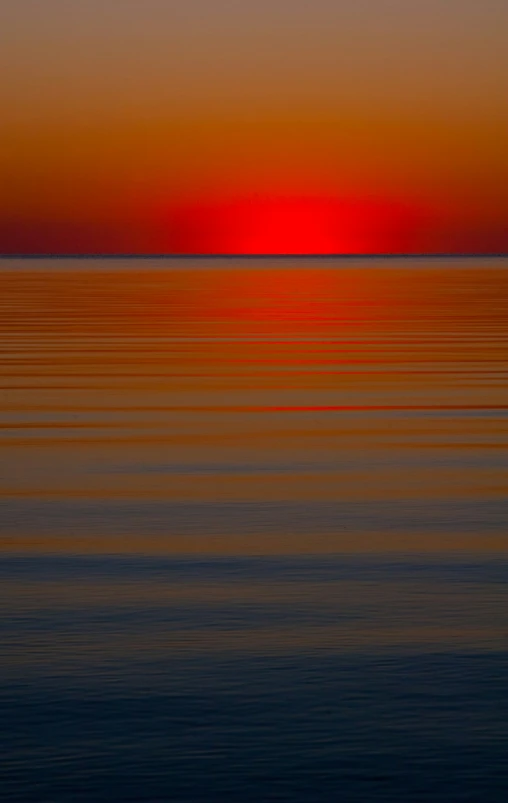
{"x": 253, "y": 541}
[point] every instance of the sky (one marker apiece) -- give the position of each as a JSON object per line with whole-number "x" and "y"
{"x": 275, "y": 126}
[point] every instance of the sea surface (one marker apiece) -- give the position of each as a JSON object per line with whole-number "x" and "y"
{"x": 253, "y": 531}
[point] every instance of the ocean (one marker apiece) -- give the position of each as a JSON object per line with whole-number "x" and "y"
{"x": 253, "y": 530}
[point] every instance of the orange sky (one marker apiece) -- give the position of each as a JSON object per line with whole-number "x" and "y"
{"x": 364, "y": 125}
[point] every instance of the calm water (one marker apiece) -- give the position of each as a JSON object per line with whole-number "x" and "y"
{"x": 253, "y": 540}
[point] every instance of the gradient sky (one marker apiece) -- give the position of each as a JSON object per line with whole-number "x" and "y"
{"x": 214, "y": 126}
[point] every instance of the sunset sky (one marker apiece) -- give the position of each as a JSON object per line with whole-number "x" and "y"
{"x": 213, "y": 126}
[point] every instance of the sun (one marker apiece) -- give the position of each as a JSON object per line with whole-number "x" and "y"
{"x": 300, "y": 225}
{"x": 290, "y": 224}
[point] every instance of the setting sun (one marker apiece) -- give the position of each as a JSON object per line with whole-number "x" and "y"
{"x": 290, "y": 224}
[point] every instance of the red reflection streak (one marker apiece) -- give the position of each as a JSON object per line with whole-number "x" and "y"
{"x": 295, "y": 302}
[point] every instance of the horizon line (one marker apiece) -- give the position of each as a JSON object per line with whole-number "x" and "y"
{"x": 240, "y": 255}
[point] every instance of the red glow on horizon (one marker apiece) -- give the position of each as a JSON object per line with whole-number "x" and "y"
{"x": 292, "y": 225}
{"x": 260, "y": 224}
